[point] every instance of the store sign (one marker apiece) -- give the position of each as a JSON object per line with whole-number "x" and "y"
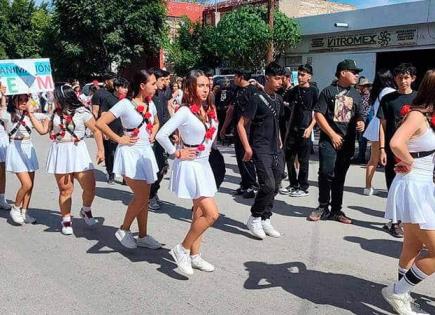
{"x": 377, "y": 39}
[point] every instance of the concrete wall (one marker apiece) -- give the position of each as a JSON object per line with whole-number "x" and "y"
{"x": 300, "y": 8}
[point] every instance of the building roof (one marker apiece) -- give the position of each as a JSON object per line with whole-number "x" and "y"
{"x": 411, "y": 13}
{"x": 179, "y": 9}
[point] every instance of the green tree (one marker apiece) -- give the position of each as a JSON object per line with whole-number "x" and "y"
{"x": 91, "y": 36}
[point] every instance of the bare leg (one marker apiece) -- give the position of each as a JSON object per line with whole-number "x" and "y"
{"x": 139, "y": 201}
{"x": 197, "y": 213}
{"x": 411, "y": 246}
{"x": 87, "y": 182}
{"x": 142, "y": 218}
{"x": 372, "y": 164}
{"x": 65, "y": 183}
{"x": 23, "y": 194}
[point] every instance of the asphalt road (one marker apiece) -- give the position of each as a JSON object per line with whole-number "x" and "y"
{"x": 314, "y": 268}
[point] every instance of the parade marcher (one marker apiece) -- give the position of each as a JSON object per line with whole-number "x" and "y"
{"x": 411, "y": 197}
{"x": 339, "y": 115}
{"x": 107, "y": 101}
{"x": 300, "y": 125}
{"x": 242, "y": 100}
{"x": 264, "y": 147}
{"x": 191, "y": 175}
{"x": 389, "y": 115}
{"x": 4, "y": 142}
{"x": 382, "y": 85}
{"x": 223, "y": 98}
{"x": 102, "y": 93}
{"x": 21, "y": 159}
{"x": 364, "y": 87}
{"x": 68, "y": 158}
{"x": 134, "y": 156}
{"x": 160, "y": 99}
{"x": 284, "y": 91}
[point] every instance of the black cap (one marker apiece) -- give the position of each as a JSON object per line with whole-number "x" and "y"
{"x": 348, "y": 64}
{"x": 306, "y": 68}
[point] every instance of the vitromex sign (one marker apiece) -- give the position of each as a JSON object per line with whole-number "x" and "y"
{"x": 375, "y": 39}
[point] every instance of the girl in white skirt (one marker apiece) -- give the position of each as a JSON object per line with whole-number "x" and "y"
{"x": 192, "y": 176}
{"x": 411, "y": 198}
{"x": 4, "y": 142}
{"x": 21, "y": 158}
{"x": 382, "y": 85}
{"x": 68, "y": 157}
{"x": 134, "y": 156}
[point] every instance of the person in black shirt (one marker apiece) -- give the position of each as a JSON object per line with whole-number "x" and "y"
{"x": 242, "y": 99}
{"x": 223, "y": 99}
{"x": 100, "y": 93}
{"x": 264, "y": 146}
{"x": 284, "y": 91}
{"x": 160, "y": 99}
{"x": 300, "y": 124}
{"x": 339, "y": 115}
{"x": 390, "y": 117}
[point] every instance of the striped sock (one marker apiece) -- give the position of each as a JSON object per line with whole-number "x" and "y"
{"x": 401, "y": 273}
{"x": 413, "y": 277}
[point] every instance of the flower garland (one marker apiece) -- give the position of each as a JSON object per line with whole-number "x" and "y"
{"x": 65, "y": 121}
{"x": 209, "y": 131}
{"x": 145, "y": 114}
{"x": 406, "y": 109}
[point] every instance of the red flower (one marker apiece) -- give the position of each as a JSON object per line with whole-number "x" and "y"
{"x": 405, "y": 110}
{"x": 135, "y": 132}
{"x": 52, "y": 137}
{"x": 23, "y": 123}
{"x": 68, "y": 118}
{"x": 212, "y": 114}
{"x": 200, "y": 148}
{"x": 150, "y": 126}
{"x": 195, "y": 108}
{"x": 62, "y": 134}
{"x": 140, "y": 108}
{"x": 433, "y": 120}
{"x": 210, "y": 133}
{"x": 61, "y": 126}
{"x": 148, "y": 99}
{"x": 147, "y": 115}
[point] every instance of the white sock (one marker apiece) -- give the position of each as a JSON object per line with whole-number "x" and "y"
{"x": 86, "y": 209}
{"x": 413, "y": 277}
{"x": 401, "y": 273}
{"x": 193, "y": 257}
{"x": 66, "y": 218}
{"x": 23, "y": 210}
{"x": 181, "y": 248}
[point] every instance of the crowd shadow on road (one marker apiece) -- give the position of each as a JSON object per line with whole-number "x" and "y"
{"x": 390, "y": 248}
{"x": 106, "y": 243}
{"x": 343, "y": 291}
{"x": 114, "y": 194}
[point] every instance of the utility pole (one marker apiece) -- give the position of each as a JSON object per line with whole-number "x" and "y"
{"x": 270, "y": 17}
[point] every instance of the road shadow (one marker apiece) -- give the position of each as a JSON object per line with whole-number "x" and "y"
{"x": 114, "y": 194}
{"x": 390, "y": 248}
{"x": 346, "y": 292}
{"x": 106, "y": 242}
{"x": 371, "y": 212}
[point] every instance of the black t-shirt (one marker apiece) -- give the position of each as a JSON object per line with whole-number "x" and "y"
{"x": 389, "y": 109}
{"x": 242, "y": 100}
{"x": 106, "y": 101}
{"x": 160, "y": 99}
{"x": 223, "y": 98}
{"x": 342, "y": 108}
{"x": 301, "y": 102}
{"x": 264, "y": 113}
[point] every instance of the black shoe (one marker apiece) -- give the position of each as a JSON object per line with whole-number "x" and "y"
{"x": 396, "y": 230}
{"x": 340, "y": 217}
{"x": 111, "y": 179}
{"x": 240, "y": 191}
{"x": 249, "y": 193}
{"x": 320, "y": 213}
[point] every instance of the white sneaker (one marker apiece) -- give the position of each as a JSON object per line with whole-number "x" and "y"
{"x": 254, "y": 225}
{"x": 182, "y": 259}
{"x": 199, "y": 263}
{"x": 126, "y": 239}
{"x": 16, "y": 215}
{"x": 286, "y": 190}
{"x": 67, "y": 226}
{"x": 299, "y": 193}
{"x": 4, "y": 205}
{"x": 269, "y": 229}
{"x": 368, "y": 191}
{"x": 28, "y": 219}
{"x": 87, "y": 217}
{"x": 158, "y": 199}
{"x": 401, "y": 303}
{"x": 153, "y": 204}
{"x": 148, "y": 242}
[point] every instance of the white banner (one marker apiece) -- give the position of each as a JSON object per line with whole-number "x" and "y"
{"x": 25, "y": 76}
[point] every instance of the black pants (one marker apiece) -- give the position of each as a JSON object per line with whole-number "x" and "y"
{"x": 389, "y": 168}
{"x": 270, "y": 169}
{"x": 109, "y": 155}
{"x": 333, "y": 166}
{"x": 297, "y": 145}
{"x": 246, "y": 169}
{"x": 162, "y": 162}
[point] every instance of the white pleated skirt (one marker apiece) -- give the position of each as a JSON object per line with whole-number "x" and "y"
{"x": 4, "y": 143}
{"x": 411, "y": 199}
{"x": 192, "y": 179}
{"x": 21, "y": 157}
{"x": 372, "y": 130}
{"x": 136, "y": 162}
{"x": 67, "y": 158}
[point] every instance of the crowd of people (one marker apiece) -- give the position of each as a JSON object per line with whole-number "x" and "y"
{"x": 139, "y": 124}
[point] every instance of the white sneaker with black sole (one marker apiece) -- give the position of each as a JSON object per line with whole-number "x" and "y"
{"x": 299, "y": 193}
{"x": 126, "y": 239}
{"x": 401, "y": 303}
{"x": 254, "y": 225}
{"x": 16, "y": 215}
{"x": 199, "y": 263}
{"x": 148, "y": 242}
{"x": 182, "y": 259}
{"x": 269, "y": 229}
{"x": 286, "y": 190}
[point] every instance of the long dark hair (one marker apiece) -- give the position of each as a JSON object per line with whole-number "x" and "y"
{"x": 425, "y": 99}
{"x": 67, "y": 98}
{"x": 384, "y": 78}
{"x": 189, "y": 88}
{"x": 12, "y": 106}
{"x": 139, "y": 77}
